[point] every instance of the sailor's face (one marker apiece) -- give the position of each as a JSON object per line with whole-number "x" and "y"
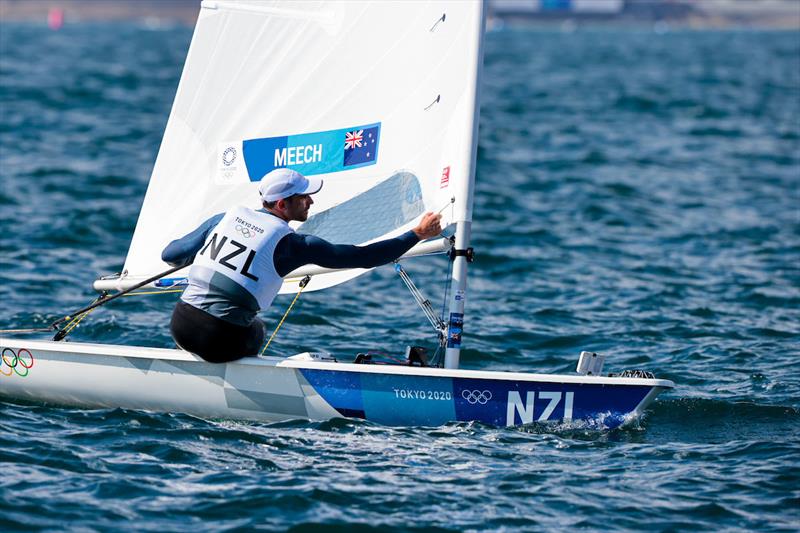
{"x": 297, "y": 207}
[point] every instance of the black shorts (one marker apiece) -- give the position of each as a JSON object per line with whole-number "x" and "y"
{"x": 212, "y": 338}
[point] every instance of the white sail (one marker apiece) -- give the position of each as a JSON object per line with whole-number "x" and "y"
{"x": 376, "y": 98}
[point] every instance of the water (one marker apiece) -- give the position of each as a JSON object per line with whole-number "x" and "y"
{"x": 637, "y": 194}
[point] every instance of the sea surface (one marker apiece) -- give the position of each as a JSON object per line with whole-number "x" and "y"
{"x": 638, "y": 194}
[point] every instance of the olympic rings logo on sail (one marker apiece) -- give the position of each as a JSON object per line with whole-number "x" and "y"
{"x": 476, "y": 396}
{"x": 245, "y": 231}
{"x": 16, "y": 362}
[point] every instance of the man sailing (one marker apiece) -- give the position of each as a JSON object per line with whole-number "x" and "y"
{"x": 243, "y": 256}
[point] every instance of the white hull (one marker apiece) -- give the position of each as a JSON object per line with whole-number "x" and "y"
{"x": 274, "y": 389}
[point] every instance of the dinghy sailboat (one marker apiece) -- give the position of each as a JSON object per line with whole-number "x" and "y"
{"x": 381, "y": 100}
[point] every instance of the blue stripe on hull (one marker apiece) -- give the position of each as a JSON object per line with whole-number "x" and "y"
{"x": 431, "y": 401}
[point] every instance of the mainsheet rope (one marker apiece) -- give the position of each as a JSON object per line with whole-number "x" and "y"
{"x": 72, "y": 324}
{"x": 303, "y": 283}
{"x": 73, "y": 319}
{"x": 76, "y": 318}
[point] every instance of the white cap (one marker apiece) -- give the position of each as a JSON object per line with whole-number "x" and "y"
{"x": 283, "y": 183}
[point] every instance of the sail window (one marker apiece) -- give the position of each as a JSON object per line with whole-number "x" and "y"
{"x": 372, "y": 214}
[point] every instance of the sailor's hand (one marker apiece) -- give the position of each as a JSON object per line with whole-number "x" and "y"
{"x": 429, "y": 226}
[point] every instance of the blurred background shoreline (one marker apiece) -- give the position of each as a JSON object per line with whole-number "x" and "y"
{"x": 661, "y": 15}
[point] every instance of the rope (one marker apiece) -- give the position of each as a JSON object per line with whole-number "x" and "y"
{"x": 75, "y": 318}
{"x": 443, "y": 339}
{"x": 104, "y": 298}
{"x": 438, "y": 324}
{"x": 72, "y": 324}
{"x": 303, "y": 284}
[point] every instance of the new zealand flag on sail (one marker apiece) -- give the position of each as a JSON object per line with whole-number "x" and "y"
{"x": 360, "y": 146}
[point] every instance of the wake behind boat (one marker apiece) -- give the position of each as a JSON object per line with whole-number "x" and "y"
{"x": 394, "y": 134}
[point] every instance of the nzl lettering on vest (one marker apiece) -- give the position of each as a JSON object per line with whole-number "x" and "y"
{"x": 215, "y": 247}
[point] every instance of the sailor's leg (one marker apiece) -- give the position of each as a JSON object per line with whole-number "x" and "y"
{"x": 212, "y": 338}
{"x": 182, "y": 326}
{"x": 256, "y": 336}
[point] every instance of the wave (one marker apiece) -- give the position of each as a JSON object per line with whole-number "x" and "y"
{"x": 678, "y": 407}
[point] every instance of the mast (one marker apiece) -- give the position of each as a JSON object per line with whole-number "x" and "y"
{"x": 462, "y": 252}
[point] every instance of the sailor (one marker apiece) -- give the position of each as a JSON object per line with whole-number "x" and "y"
{"x": 240, "y": 257}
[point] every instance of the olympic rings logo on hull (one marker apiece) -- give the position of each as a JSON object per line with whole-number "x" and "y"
{"x": 476, "y": 396}
{"x": 16, "y": 362}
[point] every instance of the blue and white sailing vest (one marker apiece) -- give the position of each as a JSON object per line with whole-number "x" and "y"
{"x": 241, "y": 249}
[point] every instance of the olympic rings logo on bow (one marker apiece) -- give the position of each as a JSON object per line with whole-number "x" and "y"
{"x": 476, "y": 396}
{"x": 245, "y": 231}
{"x": 16, "y": 362}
